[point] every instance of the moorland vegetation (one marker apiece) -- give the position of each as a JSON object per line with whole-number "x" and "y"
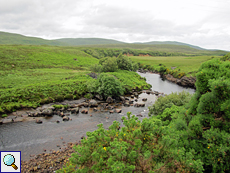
{"x": 184, "y": 133}
{"x": 35, "y": 75}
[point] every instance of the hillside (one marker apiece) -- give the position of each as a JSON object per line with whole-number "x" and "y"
{"x": 11, "y": 39}
{"x": 166, "y": 46}
{"x": 172, "y": 43}
{"x": 87, "y": 41}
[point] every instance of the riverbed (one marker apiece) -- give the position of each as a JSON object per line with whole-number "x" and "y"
{"x": 31, "y": 138}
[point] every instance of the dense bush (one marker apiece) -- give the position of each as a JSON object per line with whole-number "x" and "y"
{"x": 178, "y": 99}
{"x": 108, "y": 64}
{"x": 213, "y": 94}
{"x": 191, "y": 137}
{"x": 134, "y": 148}
{"x": 106, "y": 85}
{"x": 124, "y": 63}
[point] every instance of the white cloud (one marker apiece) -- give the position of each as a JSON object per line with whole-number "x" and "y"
{"x": 203, "y": 23}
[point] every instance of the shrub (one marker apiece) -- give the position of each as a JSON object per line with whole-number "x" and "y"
{"x": 106, "y": 85}
{"x": 96, "y": 68}
{"x": 69, "y": 97}
{"x": 162, "y": 103}
{"x": 4, "y": 115}
{"x": 124, "y": 63}
{"x": 110, "y": 65}
{"x": 134, "y": 148}
{"x": 59, "y": 98}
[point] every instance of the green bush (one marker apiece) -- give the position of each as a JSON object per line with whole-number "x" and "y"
{"x": 4, "y": 115}
{"x": 106, "y": 85}
{"x": 162, "y": 103}
{"x": 124, "y": 63}
{"x": 134, "y": 148}
{"x": 110, "y": 65}
{"x": 96, "y": 68}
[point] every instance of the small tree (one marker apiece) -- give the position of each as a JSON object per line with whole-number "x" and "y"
{"x": 106, "y": 85}
{"x": 109, "y": 65}
{"x": 124, "y": 63}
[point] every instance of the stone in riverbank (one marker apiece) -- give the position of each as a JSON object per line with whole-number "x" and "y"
{"x": 184, "y": 81}
{"x": 47, "y": 112}
{"x": 75, "y": 110}
{"x": 109, "y": 100}
{"x": 48, "y": 162}
{"x": 93, "y": 103}
{"x": 84, "y": 111}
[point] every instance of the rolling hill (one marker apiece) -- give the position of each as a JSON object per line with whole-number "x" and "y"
{"x": 166, "y": 46}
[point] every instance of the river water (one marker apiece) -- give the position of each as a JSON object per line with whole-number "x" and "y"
{"x": 31, "y": 138}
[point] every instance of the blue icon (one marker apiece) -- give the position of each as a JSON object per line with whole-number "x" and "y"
{"x": 9, "y": 160}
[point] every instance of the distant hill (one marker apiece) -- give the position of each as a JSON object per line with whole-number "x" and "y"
{"x": 10, "y": 38}
{"x": 171, "y": 43}
{"x": 87, "y": 41}
{"x": 167, "y": 46}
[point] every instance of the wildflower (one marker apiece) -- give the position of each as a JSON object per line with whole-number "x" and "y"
{"x": 217, "y": 149}
{"x": 208, "y": 146}
{"x": 124, "y": 134}
{"x": 104, "y": 148}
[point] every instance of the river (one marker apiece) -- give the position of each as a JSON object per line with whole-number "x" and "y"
{"x": 31, "y": 138}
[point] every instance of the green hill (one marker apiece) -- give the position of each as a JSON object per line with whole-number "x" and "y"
{"x": 165, "y": 46}
{"x": 87, "y": 41}
{"x": 10, "y": 39}
{"x": 171, "y": 43}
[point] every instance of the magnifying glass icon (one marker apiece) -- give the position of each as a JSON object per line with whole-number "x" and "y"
{"x": 9, "y": 160}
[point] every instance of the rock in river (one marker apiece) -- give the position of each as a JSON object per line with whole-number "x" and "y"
{"x": 144, "y": 99}
{"x": 84, "y": 111}
{"x": 93, "y": 103}
{"x": 65, "y": 118}
{"x": 38, "y": 121}
{"x": 47, "y": 112}
{"x": 139, "y": 104}
{"x": 75, "y": 110}
{"x": 118, "y": 110}
{"x": 109, "y": 100}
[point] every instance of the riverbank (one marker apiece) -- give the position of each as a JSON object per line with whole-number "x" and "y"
{"x": 48, "y": 162}
{"x": 184, "y": 81}
{"x": 32, "y": 138}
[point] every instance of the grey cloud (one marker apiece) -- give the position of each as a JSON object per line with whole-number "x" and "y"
{"x": 80, "y": 18}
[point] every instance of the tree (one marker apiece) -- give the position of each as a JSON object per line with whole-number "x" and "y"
{"x": 106, "y": 85}
{"x": 124, "y": 63}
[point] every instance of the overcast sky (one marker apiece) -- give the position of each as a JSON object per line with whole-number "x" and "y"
{"x": 204, "y": 23}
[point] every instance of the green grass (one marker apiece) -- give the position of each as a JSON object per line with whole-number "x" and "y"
{"x": 162, "y": 48}
{"x": 187, "y": 64}
{"x": 130, "y": 79}
{"x": 34, "y": 75}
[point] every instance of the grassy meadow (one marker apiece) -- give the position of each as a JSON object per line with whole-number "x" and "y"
{"x": 34, "y": 75}
{"x": 186, "y": 64}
